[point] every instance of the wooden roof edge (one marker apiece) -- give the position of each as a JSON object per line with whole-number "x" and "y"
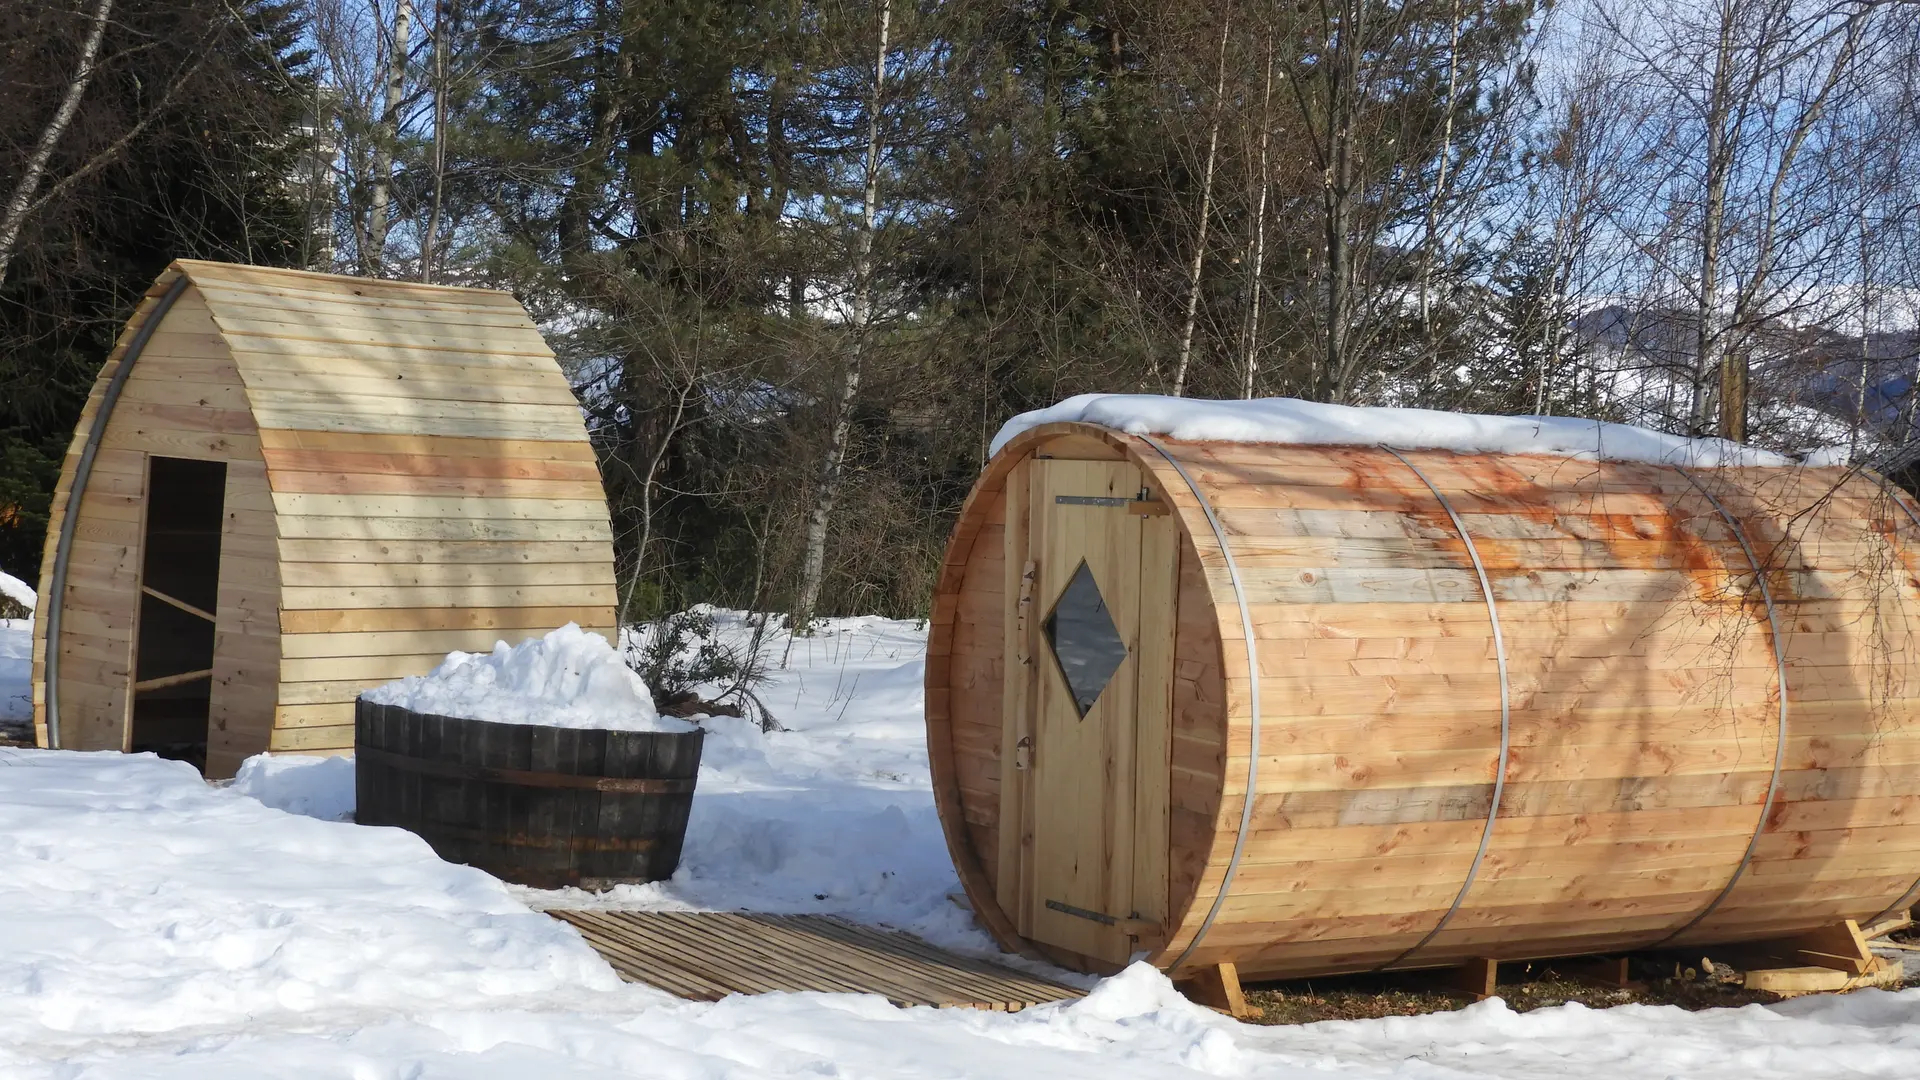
{"x": 210, "y": 269}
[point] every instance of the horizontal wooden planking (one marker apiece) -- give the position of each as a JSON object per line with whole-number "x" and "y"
{"x": 1550, "y": 553}
{"x": 363, "y": 620}
{"x": 503, "y": 330}
{"x": 306, "y": 598}
{"x": 309, "y": 716}
{"x": 428, "y": 575}
{"x": 1361, "y": 585}
{"x": 309, "y": 739}
{"x": 294, "y": 468}
{"x": 534, "y": 423}
{"x": 1399, "y": 770}
{"x": 372, "y": 369}
{"x": 278, "y": 280}
{"x": 1745, "y": 652}
{"x": 442, "y": 552}
{"x": 570, "y": 449}
{"x": 322, "y": 692}
{"x": 444, "y": 529}
{"x": 335, "y": 483}
{"x": 453, "y": 384}
{"x": 377, "y": 669}
{"x": 301, "y": 504}
{"x": 479, "y": 410}
{"x": 1717, "y": 638}
{"x": 151, "y": 384}
{"x": 134, "y": 419}
{"x": 1360, "y": 736}
{"x": 1414, "y": 499}
{"x": 252, "y": 302}
{"x": 403, "y": 331}
{"x": 373, "y": 643}
{"x": 322, "y": 338}
{"x": 347, "y": 357}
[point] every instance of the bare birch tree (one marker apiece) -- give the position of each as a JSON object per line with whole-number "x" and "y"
{"x": 832, "y": 466}
{"x": 1205, "y": 214}
{"x": 1257, "y": 244}
{"x": 1738, "y": 91}
{"x": 22, "y": 201}
{"x": 386, "y": 139}
{"x": 430, "y": 235}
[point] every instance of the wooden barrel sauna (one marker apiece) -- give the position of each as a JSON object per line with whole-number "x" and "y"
{"x": 1322, "y": 709}
{"x": 542, "y": 806}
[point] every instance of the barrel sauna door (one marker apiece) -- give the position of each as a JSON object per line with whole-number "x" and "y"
{"x": 1099, "y": 634}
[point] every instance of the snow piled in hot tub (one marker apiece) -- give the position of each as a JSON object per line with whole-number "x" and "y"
{"x": 1290, "y": 420}
{"x": 570, "y": 678}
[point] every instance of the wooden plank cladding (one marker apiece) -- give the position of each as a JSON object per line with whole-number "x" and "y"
{"x": 1652, "y": 794}
{"x": 408, "y": 473}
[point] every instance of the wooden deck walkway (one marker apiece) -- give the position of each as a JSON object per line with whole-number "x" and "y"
{"x": 704, "y": 956}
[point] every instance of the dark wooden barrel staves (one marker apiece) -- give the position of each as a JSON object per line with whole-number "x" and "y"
{"x": 543, "y": 806}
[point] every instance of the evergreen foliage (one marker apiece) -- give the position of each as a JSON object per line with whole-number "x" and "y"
{"x": 214, "y": 100}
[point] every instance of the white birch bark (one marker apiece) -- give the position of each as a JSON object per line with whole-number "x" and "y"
{"x": 431, "y": 237}
{"x": 813, "y": 567}
{"x": 21, "y": 203}
{"x": 1257, "y": 260}
{"x": 386, "y": 137}
{"x": 1182, "y": 363}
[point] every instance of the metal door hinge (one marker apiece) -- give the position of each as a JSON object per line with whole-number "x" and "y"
{"x": 1133, "y": 926}
{"x": 1143, "y": 505}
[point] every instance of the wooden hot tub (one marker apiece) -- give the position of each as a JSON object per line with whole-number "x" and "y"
{"x": 542, "y": 806}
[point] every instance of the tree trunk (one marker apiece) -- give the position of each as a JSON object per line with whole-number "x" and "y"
{"x": 386, "y": 138}
{"x": 21, "y": 202}
{"x": 813, "y": 567}
{"x": 429, "y": 240}
{"x": 1200, "y": 231}
{"x": 1430, "y": 239}
{"x": 1337, "y": 201}
{"x": 1732, "y": 350}
{"x": 1259, "y": 246}
{"x": 1708, "y": 337}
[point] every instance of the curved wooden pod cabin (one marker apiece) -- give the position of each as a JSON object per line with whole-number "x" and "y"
{"x": 1323, "y": 600}
{"x": 307, "y": 485}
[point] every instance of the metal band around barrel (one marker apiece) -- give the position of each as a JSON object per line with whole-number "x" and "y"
{"x": 70, "y": 517}
{"x": 1506, "y": 714}
{"x": 1780, "y": 737}
{"x": 453, "y": 770}
{"x": 1913, "y": 891}
{"x": 1253, "y": 696}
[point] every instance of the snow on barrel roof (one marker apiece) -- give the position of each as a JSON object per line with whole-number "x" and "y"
{"x": 1290, "y": 420}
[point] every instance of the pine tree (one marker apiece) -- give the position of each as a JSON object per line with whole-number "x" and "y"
{"x": 183, "y": 146}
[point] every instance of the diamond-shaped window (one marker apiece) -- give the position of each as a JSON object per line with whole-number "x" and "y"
{"x": 1085, "y": 642}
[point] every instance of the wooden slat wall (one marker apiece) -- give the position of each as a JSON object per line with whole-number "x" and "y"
{"x": 1644, "y": 707}
{"x": 978, "y": 673}
{"x": 182, "y": 399}
{"x": 246, "y": 639}
{"x": 430, "y": 476}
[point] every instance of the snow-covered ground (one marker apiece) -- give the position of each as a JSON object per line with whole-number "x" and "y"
{"x": 16, "y": 658}
{"x": 153, "y": 927}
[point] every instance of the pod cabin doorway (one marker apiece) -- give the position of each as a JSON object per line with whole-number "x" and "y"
{"x": 179, "y": 593}
{"x": 1093, "y": 560}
